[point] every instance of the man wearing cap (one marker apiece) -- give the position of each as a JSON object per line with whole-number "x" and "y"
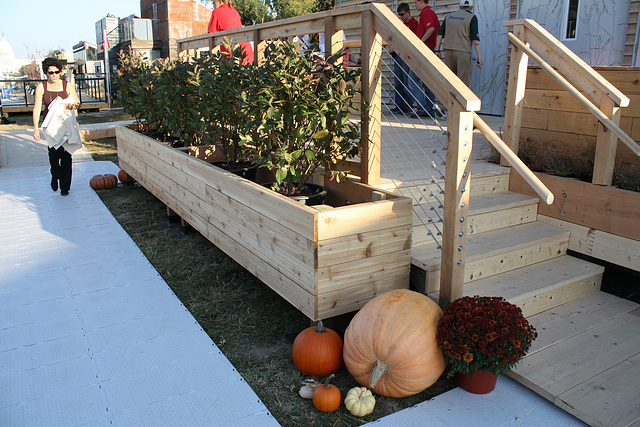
{"x": 460, "y": 31}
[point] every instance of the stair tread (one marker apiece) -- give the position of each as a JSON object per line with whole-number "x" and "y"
{"x": 530, "y": 280}
{"x": 489, "y": 202}
{"x": 486, "y": 244}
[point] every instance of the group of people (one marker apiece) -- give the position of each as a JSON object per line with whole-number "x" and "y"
{"x": 459, "y": 31}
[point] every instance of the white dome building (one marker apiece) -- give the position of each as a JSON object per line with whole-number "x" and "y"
{"x": 8, "y": 62}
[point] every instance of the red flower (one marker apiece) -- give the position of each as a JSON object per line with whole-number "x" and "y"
{"x": 484, "y": 333}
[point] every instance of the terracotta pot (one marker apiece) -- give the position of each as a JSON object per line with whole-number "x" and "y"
{"x": 478, "y": 382}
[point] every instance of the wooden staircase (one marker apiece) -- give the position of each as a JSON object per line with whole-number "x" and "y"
{"x": 509, "y": 253}
{"x": 586, "y": 359}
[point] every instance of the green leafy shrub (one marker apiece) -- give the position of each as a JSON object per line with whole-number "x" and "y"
{"x": 300, "y": 109}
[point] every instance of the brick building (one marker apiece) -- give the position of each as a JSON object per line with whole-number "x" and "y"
{"x": 175, "y": 19}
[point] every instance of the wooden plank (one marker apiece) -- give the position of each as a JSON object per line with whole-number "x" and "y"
{"x": 552, "y": 143}
{"x": 346, "y": 275}
{"x": 600, "y": 244}
{"x": 456, "y": 203}
{"x": 371, "y": 96}
{"x": 573, "y": 318}
{"x": 516, "y": 85}
{"x": 356, "y": 296}
{"x": 542, "y": 286}
{"x": 562, "y": 101}
{"x": 571, "y": 362}
{"x": 603, "y": 208}
{"x": 610, "y": 398}
{"x": 606, "y": 144}
{"x": 363, "y": 217}
{"x": 497, "y": 251}
{"x": 363, "y": 245}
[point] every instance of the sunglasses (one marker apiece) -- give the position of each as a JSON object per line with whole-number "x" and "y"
{"x": 401, "y": 13}
{"x": 53, "y": 72}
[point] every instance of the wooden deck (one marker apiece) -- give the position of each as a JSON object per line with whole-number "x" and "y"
{"x": 586, "y": 358}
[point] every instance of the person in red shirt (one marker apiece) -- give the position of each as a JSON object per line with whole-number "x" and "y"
{"x": 403, "y": 98}
{"x": 224, "y": 17}
{"x": 429, "y": 24}
{"x": 427, "y": 31}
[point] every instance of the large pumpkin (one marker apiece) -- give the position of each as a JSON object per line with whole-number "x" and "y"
{"x": 390, "y": 345}
{"x": 317, "y": 351}
{"x": 103, "y": 182}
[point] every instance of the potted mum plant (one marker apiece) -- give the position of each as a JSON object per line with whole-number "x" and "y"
{"x": 300, "y": 116}
{"x": 482, "y": 337}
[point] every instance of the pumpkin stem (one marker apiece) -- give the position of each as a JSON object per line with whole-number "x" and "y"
{"x": 326, "y": 382}
{"x": 378, "y": 371}
{"x": 320, "y": 329}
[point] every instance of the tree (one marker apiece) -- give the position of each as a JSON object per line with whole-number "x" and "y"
{"x": 30, "y": 70}
{"x": 253, "y": 11}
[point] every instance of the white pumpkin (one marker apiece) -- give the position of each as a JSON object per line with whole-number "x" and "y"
{"x": 360, "y": 401}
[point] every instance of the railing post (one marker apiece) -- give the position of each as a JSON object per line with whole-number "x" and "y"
{"x": 456, "y": 202}
{"x": 258, "y": 47}
{"x": 515, "y": 94}
{"x": 333, "y": 39}
{"x": 606, "y": 145}
{"x": 371, "y": 96}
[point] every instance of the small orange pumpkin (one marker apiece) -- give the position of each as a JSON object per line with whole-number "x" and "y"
{"x": 390, "y": 345}
{"x": 317, "y": 351}
{"x": 103, "y": 182}
{"x": 122, "y": 176}
{"x": 327, "y": 397}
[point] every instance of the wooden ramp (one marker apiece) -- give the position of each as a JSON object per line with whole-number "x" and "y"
{"x": 586, "y": 359}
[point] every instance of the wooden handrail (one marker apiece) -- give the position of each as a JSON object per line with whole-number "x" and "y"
{"x": 628, "y": 141}
{"x": 531, "y": 179}
{"x": 568, "y": 63}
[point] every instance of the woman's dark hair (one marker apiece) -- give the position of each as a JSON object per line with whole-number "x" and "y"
{"x": 51, "y": 62}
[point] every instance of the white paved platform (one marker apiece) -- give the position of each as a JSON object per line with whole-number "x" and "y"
{"x": 89, "y": 332}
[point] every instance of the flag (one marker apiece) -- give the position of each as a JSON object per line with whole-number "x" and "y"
{"x": 105, "y": 40}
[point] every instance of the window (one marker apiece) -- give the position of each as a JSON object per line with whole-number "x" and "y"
{"x": 572, "y": 19}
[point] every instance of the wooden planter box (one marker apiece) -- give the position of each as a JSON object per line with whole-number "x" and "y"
{"x": 325, "y": 262}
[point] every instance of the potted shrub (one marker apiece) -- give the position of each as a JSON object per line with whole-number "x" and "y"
{"x": 300, "y": 111}
{"x": 222, "y": 82}
{"x": 136, "y": 82}
{"x": 482, "y": 337}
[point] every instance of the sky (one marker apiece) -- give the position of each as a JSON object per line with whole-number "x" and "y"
{"x": 37, "y": 26}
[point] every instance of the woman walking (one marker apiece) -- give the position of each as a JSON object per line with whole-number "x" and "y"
{"x": 60, "y": 126}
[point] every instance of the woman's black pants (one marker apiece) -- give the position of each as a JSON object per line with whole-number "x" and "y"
{"x": 60, "y": 160}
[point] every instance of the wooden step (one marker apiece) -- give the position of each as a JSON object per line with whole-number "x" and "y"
{"x": 586, "y": 359}
{"x": 487, "y": 212}
{"x": 492, "y": 253}
{"x": 541, "y": 286}
{"x": 485, "y": 178}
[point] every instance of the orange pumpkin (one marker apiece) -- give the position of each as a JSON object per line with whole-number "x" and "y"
{"x": 317, "y": 351}
{"x": 327, "y": 397}
{"x": 103, "y": 182}
{"x": 390, "y": 345}
{"x": 122, "y": 176}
